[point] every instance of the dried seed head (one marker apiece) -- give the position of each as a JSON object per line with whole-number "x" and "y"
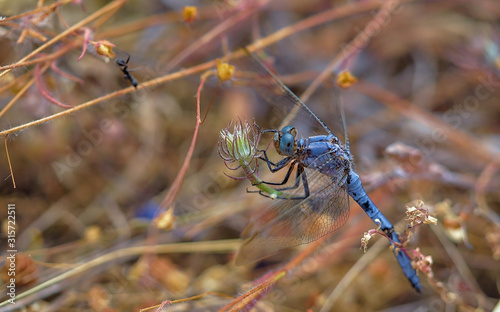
{"x": 419, "y": 214}
{"x": 240, "y": 145}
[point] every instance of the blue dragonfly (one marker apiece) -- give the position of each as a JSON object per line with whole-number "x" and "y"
{"x": 318, "y": 201}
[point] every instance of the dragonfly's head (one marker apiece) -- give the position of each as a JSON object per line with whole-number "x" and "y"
{"x": 284, "y": 141}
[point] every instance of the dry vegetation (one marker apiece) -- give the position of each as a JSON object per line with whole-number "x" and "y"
{"x": 121, "y": 201}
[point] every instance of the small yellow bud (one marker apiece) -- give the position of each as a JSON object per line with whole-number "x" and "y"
{"x": 166, "y": 220}
{"x": 105, "y": 48}
{"x": 345, "y": 79}
{"x": 189, "y": 13}
{"x": 224, "y": 71}
{"x": 93, "y": 234}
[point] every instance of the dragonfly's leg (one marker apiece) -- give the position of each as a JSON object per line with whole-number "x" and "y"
{"x": 301, "y": 175}
{"x": 280, "y": 165}
{"x": 304, "y": 181}
{"x": 266, "y": 159}
{"x": 261, "y": 193}
{"x": 300, "y": 170}
{"x": 264, "y": 194}
{"x": 273, "y": 197}
{"x": 285, "y": 180}
{"x": 268, "y": 162}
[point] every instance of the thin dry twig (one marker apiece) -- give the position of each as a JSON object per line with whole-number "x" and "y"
{"x": 43, "y": 58}
{"x": 213, "y": 33}
{"x": 167, "y": 202}
{"x": 10, "y": 165}
{"x": 170, "y": 302}
{"x": 464, "y": 270}
{"x": 109, "y": 96}
{"x": 110, "y": 7}
{"x": 316, "y": 20}
{"x": 50, "y": 7}
{"x": 43, "y": 89}
{"x": 345, "y": 56}
{"x": 214, "y": 246}
{"x": 353, "y": 272}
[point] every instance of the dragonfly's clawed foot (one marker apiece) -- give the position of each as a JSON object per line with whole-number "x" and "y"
{"x": 262, "y": 193}
{"x": 389, "y": 232}
{"x": 393, "y": 236}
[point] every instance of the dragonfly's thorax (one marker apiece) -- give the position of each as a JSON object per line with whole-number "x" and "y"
{"x": 317, "y": 152}
{"x": 324, "y": 153}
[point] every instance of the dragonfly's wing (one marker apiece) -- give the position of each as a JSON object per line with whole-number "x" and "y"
{"x": 285, "y": 107}
{"x": 291, "y": 222}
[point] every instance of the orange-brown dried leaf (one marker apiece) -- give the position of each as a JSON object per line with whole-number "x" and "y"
{"x": 98, "y": 298}
{"x": 493, "y": 238}
{"x": 452, "y": 223}
{"x": 26, "y": 270}
{"x": 169, "y": 275}
{"x": 138, "y": 269}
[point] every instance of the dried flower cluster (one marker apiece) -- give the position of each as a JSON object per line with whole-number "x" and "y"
{"x": 419, "y": 214}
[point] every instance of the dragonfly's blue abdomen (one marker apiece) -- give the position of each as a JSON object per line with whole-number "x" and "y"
{"x": 357, "y": 192}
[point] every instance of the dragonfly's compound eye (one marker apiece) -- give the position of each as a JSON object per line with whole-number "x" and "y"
{"x": 287, "y": 144}
{"x": 289, "y": 129}
{"x": 284, "y": 141}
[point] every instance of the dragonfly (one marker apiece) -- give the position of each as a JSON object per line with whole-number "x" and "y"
{"x": 318, "y": 201}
